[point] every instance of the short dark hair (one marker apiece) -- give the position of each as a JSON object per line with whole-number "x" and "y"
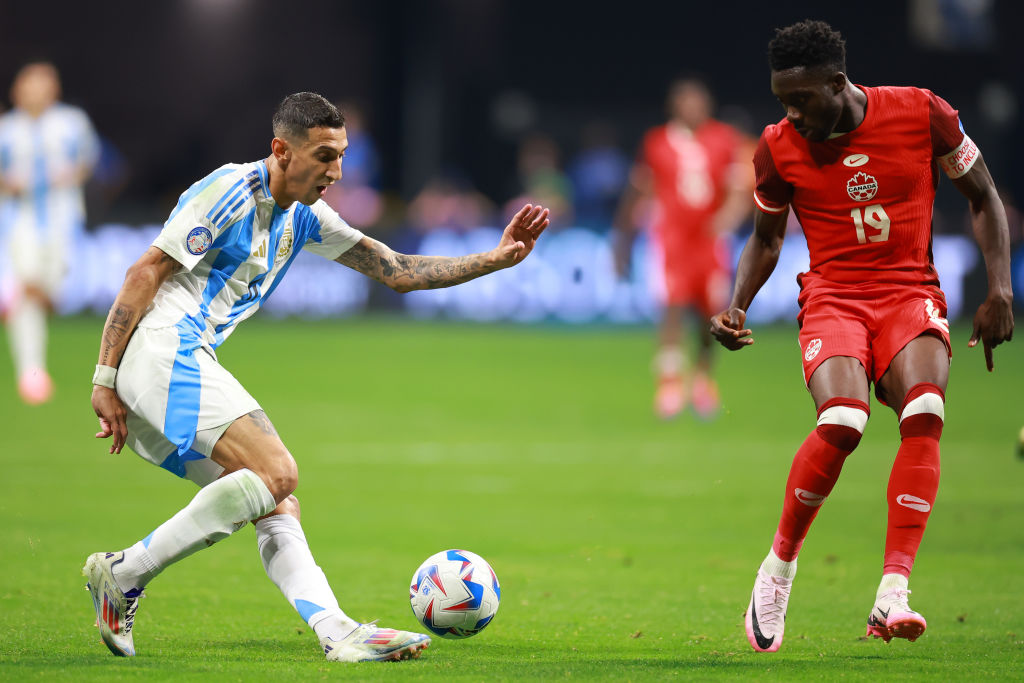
{"x": 810, "y": 44}
{"x": 301, "y": 111}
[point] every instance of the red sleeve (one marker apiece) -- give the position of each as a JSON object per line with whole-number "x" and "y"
{"x": 953, "y": 148}
{"x": 772, "y": 194}
{"x": 944, "y": 122}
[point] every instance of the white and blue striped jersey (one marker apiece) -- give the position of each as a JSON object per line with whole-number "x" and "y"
{"x": 235, "y": 244}
{"x": 39, "y": 154}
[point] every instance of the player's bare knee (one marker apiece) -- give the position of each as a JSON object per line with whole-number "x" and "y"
{"x": 841, "y": 422}
{"x": 281, "y": 476}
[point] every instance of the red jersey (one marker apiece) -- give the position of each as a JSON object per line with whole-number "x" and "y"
{"x": 692, "y": 171}
{"x": 864, "y": 199}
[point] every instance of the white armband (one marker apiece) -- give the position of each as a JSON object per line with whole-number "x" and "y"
{"x": 768, "y": 208}
{"x": 104, "y": 376}
{"x": 957, "y": 163}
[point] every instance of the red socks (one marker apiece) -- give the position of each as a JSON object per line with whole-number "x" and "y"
{"x": 912, "y": 485}
{"x": 915, "y": 476}
{"x": 816, "y": 468}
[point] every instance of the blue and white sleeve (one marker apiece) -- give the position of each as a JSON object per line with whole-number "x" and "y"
{"x": 331, "y": 236}
{"x": 194, "y": 225}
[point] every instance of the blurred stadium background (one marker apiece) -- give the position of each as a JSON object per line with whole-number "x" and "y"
{"x": 459, "y": 108}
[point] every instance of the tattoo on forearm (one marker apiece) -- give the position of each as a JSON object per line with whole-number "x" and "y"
{"x": 263, "y": 422}
{"x": 131, "y": 303}
{"x": 120, "y": 325}
{"x": 407, "y": 272}
{"x": 432, "y": 272}
{"x": 360, "y": 258}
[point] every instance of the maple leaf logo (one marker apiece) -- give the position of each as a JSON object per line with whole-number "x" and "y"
{"x": 862, "y": 187}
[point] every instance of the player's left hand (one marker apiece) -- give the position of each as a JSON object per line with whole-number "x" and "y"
{"x": 113, "y": 416}
{"x": 728, "y": 328}
{"x": 520, "y": 235}
{"x": 993, "y": 325}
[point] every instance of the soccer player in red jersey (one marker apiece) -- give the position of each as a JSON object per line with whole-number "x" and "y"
{"x": 859, "y": 166}
{"x": 692, "y": 166}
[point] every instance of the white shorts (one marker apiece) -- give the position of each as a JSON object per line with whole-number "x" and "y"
{"x": 36, "y": 259}
{"x": 180, "y": 400}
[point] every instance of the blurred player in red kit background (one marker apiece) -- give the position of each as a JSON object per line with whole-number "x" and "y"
{"x": 696, "y": 170}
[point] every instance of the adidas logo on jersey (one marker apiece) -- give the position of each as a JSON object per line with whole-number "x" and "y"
{"x": 261, "y": 251}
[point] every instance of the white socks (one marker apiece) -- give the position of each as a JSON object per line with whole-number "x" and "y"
{"x": 776, "y": 566}
{"x": 26, "y": 331}
{"x": 290, "y": 565}
{"x": 669, "y": 361}
{"x": 891, "y": 582}
{"x": 216, "y": 512}
{"x": 787, "y": 570}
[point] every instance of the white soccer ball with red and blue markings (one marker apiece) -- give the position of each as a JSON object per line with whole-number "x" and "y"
{"x": 455, "y": 594}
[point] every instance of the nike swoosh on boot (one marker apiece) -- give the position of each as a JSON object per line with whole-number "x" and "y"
{"x": 762, "y": 642}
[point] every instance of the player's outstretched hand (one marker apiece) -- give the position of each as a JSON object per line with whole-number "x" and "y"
{"x": 993, "y": 325}
{"x": 112, "y": 414}
{"x": 727, "y": 328}
{"x": 520, "y": 235}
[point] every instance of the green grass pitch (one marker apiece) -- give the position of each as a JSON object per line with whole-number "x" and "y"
{"x": 626, "y": 547}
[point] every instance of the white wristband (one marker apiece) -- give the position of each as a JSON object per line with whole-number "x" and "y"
{"x": 104, "y": 376}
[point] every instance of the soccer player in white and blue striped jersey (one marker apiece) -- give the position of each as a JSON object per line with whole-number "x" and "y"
{"x": 159, "y": 389}
{"x": 47, "y": 151}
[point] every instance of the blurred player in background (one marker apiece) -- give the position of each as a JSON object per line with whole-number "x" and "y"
{"x": 159, "y": 388}
{"x": 697, "y": 171}
{"x": 860, "y": 165}
{"x": 47, "y": 151}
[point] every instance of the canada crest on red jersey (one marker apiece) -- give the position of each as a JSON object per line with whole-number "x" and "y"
{"x": 862, "y": 187}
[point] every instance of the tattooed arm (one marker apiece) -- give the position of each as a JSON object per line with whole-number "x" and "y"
{"x": 141, "y": 283}
{"x": 404, "y": 272}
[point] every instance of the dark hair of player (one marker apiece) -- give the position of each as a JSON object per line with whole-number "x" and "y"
{"x": 301, "y": 111}
{"x": 810, "y": 44}
{"x": 36, "y": 60}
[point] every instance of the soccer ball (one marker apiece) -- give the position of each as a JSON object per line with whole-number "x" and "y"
{"x": 455, "y": 594}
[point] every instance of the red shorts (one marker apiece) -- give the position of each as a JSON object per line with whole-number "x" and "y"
{"x": 870, "y": 324}
{"x": 698, "y": 277}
